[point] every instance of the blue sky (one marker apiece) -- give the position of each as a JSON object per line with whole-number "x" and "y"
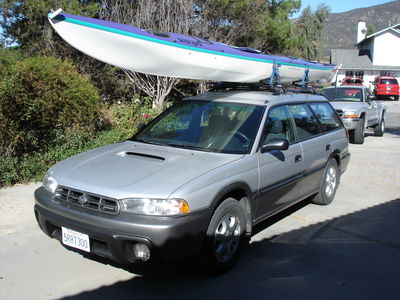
{"x": 338, "y": 6}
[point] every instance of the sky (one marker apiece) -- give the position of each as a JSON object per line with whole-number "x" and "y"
{"x": 338, "y": 6}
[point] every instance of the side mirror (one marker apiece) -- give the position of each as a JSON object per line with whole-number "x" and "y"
{"x": 275, "y": 144}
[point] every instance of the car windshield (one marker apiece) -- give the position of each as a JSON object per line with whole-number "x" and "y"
{"x": 341, "y": 94}
{"x": 206, "y": 126}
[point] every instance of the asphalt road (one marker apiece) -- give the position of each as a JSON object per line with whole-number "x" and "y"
{"x": 347, "y": 250}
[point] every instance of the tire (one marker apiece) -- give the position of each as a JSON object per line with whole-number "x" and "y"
{"x": 225, "y": 236}
{"x": 329, "y": 184}
{"x": 359, "y": 132}
{"x": 379, "y": 129}
{"x": 396, "y": 97}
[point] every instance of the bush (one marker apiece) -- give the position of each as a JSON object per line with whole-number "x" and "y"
{"x": 39, "y": 97}
{"x": 123, "y": 119}
{"x": 48, "y": 113}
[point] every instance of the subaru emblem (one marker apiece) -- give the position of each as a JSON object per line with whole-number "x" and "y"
{"x": 82, "y": 199}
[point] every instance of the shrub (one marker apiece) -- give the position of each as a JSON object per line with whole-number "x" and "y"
{"x": 40, "y": 97}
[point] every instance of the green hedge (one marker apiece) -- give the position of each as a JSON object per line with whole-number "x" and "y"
{"x": 40, "y": 97}
{"x": 49, "y": 112}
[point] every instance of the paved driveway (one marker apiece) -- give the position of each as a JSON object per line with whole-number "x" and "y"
{"x": 347, "y": 250}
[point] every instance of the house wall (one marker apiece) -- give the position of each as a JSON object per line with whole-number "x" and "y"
{"x": 386, "y": 49}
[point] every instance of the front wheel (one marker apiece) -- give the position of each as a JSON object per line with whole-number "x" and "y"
{"x": 380, "y": 128}
{"x": 225, "y": 236}
{"x": 359, "y": 132}
{"x": 329, "y": 184}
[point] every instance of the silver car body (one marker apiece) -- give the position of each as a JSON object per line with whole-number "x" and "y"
{"x": 269, "y": 182}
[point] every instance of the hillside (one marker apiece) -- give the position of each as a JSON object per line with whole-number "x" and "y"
{"x": 341, "y": 28}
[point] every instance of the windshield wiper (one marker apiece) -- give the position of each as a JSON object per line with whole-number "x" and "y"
{"x": 146, "y": 142}
{"x": 189, "y": 147}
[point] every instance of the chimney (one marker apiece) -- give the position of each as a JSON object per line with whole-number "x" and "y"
{"x": 361, "y": 30}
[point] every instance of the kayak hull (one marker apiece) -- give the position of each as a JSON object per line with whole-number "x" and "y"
{"x": 178, "y": 55}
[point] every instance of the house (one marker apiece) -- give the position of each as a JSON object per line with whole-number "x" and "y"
{"x": 373, "y": 55}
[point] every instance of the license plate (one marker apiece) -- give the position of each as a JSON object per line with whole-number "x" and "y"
{"x": 75, "y": 239}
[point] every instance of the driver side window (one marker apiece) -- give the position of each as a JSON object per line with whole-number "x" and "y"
{"x": 278, "y": 125}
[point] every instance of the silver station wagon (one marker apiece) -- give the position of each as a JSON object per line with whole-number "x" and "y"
{"x": 197, "y": 178}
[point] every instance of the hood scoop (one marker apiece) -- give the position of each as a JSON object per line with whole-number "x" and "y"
{"x": 129, "y": 153}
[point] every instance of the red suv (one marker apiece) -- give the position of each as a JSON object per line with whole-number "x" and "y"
{"x": 385, "y": 87}
{"x": 352, "y": 81}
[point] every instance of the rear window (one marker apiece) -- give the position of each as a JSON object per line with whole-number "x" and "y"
{"x": 389, "y": 81}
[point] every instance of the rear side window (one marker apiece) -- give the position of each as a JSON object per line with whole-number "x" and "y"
{"x": 305, "y": 121}
{"x": 326, "y": 116}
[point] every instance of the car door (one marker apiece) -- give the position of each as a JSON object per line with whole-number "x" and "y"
{"x": 315, "y": 146}
{"x": 372, "y": 110}
{"x": 280, "y": 171}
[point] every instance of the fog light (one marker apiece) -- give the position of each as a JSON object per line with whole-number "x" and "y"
{"x": 141, "y": 251}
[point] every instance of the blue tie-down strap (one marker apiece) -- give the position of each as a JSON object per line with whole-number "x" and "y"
{"x": 275, "y": 75}
{"x": 304, "y": 80}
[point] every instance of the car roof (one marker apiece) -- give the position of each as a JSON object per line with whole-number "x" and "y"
{"x": 257, "y": 97}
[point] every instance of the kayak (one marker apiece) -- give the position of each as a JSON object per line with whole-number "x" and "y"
{"x": 181, "y": 56}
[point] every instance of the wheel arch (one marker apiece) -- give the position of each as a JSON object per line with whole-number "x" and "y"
{"x": 336, "y": 156}
{"x": 241, "y": 192}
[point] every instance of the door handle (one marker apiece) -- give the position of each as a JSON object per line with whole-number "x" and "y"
{"x": 298, "y": 158}
{"x": 328, "y": 147}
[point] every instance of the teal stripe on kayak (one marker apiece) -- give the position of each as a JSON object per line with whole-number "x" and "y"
{"x": 154, "y": 40}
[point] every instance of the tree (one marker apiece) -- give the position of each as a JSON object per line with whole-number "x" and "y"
{"x": 157, "y": 15}
{"x": 25, "y": 24}
{"x": 260, "y": 24}
{"x": 370, "y": 30}
{"x": 309, "y": 29}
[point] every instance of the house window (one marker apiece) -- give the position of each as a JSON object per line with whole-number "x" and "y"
{"x": 355, "y": 73}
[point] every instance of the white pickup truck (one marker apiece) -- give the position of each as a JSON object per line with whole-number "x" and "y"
{"x": 358, "y": 110}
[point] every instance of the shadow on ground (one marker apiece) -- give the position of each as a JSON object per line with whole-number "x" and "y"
{"x": 356, "y": 256}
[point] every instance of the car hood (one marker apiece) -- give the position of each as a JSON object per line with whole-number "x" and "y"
{"x": 347, "y": 105}
{"x": 131, "y": 169}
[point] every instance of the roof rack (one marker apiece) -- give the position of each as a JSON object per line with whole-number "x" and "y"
{"x": 264, "y": 85}
{"x": 273, "y": 83}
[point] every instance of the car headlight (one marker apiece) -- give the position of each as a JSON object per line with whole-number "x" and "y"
{"x": 155, "y": 207}
{"x": 49, "y": 183}
{"x": 350, "y": 114}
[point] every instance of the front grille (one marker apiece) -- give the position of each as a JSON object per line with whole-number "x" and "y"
{"x": 87, "y": 201}
{"x": 339, "y": 112}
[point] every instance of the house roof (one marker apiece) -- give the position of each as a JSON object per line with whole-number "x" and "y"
{"x": 359, "y": 59}
{"x": 395, "y": 29}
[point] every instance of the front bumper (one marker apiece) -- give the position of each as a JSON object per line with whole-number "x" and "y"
{"x": 351, "y": 123}
{"x": 112, "y": 237}
{"x": 387, "y": 92}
